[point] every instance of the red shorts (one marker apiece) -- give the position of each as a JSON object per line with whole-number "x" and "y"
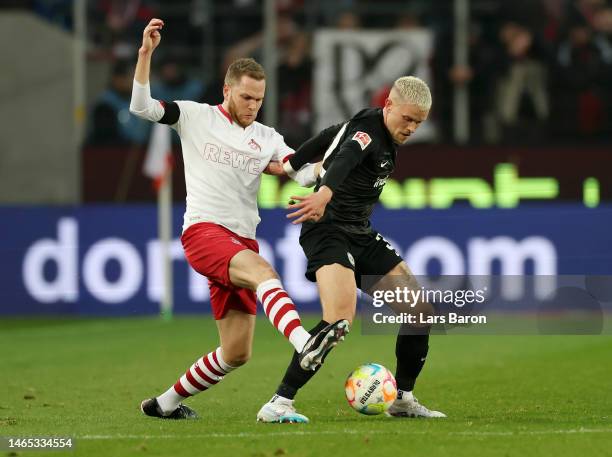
{"x": 209, "y": 248}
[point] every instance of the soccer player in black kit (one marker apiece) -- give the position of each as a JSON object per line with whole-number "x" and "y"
{"x": 340, "y": 243}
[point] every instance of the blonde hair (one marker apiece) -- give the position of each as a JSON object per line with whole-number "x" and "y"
{"x": 412, "y": 90}
{"x": 242, "y": 67}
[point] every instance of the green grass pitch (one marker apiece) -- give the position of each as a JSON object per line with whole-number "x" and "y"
{"x": 504, "y": 395}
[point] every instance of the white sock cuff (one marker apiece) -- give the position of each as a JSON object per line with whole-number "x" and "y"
{"x": 224, "y": 366}
{"x": 265, "y": 286}
{"x": 299, "y": 337}
{"x": 405, "y": 394}
{"x": 281, "y": 399}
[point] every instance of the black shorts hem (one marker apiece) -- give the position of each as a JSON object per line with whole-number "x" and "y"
{"x": 311, "y": 272}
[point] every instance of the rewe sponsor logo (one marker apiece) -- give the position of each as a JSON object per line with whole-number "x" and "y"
{"x": 234, "y": 159}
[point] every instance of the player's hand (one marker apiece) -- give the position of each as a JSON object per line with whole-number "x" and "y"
{"x": 275, "y": 168}
{"x": 318, "y": 167}
{"x": 151, "y": 36}
{"x": 310, "y": 208}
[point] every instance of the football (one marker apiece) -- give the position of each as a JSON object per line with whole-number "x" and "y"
{"x": 370, "y": 389}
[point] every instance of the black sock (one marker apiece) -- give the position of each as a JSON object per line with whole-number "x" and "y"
{"x": 295, "y": 376}
{"x": 411, "y": 351}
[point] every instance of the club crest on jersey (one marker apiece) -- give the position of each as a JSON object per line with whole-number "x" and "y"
{"x": 363, "y": 139}
{"x": 254, "y": 145}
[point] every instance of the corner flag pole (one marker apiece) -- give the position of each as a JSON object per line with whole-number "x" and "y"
{"x": 164, "y": 214}
{"x": 158, "y": 166}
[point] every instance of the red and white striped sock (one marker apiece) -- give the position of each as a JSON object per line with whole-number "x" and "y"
{"x": 281, "y": 311}
{"x": 203, "y": 374}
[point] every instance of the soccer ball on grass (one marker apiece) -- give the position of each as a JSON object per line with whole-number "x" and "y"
{"x": 370, "y": 389}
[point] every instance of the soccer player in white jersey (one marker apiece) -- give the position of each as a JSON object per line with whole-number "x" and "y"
{"x": 225, "y": 151}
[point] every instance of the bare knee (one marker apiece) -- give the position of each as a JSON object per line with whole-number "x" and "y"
{"x": 248, "y": 269}
{"x": 263, "y": 273}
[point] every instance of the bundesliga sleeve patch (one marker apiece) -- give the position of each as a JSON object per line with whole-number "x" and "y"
{"x": 363, "y": 139}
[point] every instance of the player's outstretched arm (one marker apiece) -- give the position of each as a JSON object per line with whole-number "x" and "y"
{"x": 297, "y": 165}
{"x": 312, "y": 207}
{"x": 151, "y": 37}
{"x": 310, "y": 149}
{"x": 349, "y": 155}
{"x": 305, "y": 176}
{"x": 142, "y": 104}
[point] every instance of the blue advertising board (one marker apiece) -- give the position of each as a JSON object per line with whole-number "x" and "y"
{"x": 105, "y": 260}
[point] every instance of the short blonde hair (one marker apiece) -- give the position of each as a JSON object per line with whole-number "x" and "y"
{"x": 412, "y": 90}
{"x": 242, "y": 67}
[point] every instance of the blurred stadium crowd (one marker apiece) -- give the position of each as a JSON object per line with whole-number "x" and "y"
{"x": 540, "y": 71}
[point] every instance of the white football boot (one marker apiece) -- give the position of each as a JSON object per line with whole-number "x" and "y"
{"x": 280, "y": 410}
{"x": 406, "y": 405}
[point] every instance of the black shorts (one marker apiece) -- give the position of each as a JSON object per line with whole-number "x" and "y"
{"x": 365, "y": 254}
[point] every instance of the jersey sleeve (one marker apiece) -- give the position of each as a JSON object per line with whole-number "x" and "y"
{"x": 143, "y": 105}
{"x": 187, "y": 113}
{"x": 314, "y": 147}
{"x": 354, "y": 149}
{"x": 282, "y": 151}
{"x": 146, "y": 107}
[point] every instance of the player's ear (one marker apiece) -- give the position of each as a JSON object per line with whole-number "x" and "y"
{"x": 226, "y": 91}
{"x": 388, "y": 103}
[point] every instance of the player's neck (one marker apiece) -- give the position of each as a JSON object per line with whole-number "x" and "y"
{"x": 384, "y": 113}
{"x": 227, "y": 111}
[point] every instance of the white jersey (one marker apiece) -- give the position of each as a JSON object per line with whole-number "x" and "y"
{"x": 223, "y": 166}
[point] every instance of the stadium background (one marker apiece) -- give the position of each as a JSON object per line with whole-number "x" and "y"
{"x": 517, "y": 152}
{"x": 519, "y": 137}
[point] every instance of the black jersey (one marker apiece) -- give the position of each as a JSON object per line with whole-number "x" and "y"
{"x": 359, "y": 157}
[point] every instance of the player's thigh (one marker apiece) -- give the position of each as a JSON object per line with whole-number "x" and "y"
{"x": 400, "y": 278}
{"x": 337, "y": 291}
{"x": 382, "y": 269}
{"x": 323, "y": 245}
{"x": 248, "y": 269}
{"x": 223, "y": 256}
{"x": 376, "y": 259}
{"x": 236, "y": 330}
